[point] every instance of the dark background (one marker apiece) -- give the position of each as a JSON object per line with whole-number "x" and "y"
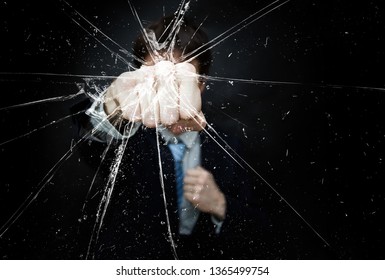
{"x": 319, "y": 143}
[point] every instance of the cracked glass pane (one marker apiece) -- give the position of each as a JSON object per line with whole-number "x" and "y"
{"x": 290, "y": 140}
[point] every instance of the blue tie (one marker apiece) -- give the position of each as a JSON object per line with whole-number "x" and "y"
{"x": 177, "y": 151}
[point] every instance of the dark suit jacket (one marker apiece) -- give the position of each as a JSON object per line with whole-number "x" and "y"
{"x": 135, "y": 224}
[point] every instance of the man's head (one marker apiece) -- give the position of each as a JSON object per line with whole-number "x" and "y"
{"x": 187, "y": 39}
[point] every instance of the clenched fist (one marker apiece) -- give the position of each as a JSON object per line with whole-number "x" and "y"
{"x": 202, "y": 191}
{"x": 165, "y": 93}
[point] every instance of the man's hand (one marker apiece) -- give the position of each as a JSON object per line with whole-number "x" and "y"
{"x": 165, "y": 93}
{"x": 201, "y": 190}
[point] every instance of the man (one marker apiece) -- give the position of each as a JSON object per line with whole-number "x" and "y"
{"x": 213, "y": 213}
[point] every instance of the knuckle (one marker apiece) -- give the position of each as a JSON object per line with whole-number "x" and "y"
{"x": 201, "y": 181}
{"x": 205, "y": 175}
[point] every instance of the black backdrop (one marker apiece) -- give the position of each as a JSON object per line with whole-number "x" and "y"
{"x": 319, "y": 142}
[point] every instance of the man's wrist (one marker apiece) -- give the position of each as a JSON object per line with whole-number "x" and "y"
{"x": 110, "y": 104}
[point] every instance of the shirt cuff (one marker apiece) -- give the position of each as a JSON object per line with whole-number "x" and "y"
{"x": 100, "y": 122}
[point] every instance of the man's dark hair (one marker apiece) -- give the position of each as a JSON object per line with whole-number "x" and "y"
{"x": 188, "y": 39}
